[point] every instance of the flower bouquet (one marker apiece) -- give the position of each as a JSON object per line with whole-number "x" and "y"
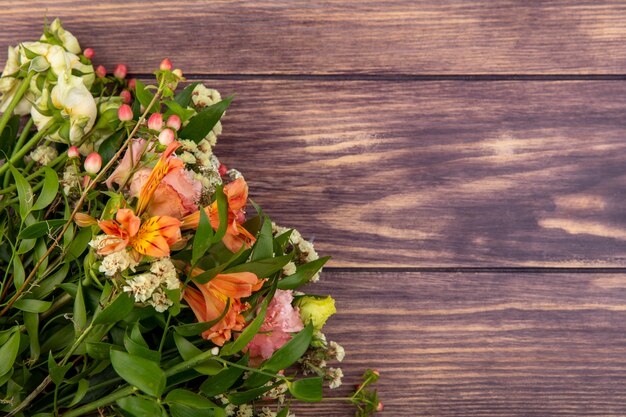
{"x": 133, "y": 280}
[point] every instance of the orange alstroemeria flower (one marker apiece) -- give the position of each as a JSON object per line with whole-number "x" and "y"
{"x": 164, "y": 166}
{"x": 153, "y": 237}
{"x": 236, "y": 235}
{"x": 212, "y": 298}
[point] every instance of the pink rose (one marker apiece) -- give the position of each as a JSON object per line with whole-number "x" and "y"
{"x": 281, "y": 320}
{"x": 125, "y": 166}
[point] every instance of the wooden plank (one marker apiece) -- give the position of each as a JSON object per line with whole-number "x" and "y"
{"x": 342, "y": 36}
{"x": 482, "y": 344}
{"x": 437, "y": 173}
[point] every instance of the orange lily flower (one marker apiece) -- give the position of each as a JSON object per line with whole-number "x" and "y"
{"x": 210, "y": 301}
{"x": 153, "y": 237}
{"x": 236, "y": 235}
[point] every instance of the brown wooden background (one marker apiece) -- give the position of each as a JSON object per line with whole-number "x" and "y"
{"x": 463, "y": 161}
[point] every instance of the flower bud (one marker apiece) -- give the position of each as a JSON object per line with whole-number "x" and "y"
{"x": 155, "y": 122}
{"x": 120, "y": 71}
{"x": 132, "y": 83}
{"x": 166, "y": 65}
{"x": 177, "y": 72}
{"x": 375, "y": 372}
{"x": 125, "y": 113}
{"x": 173, "y": 121}
{"x": 222, "y": 169}
{"x": 89, "y": 53}
{"x": 215, "y": 351}
{"x": 101, "y": 72}
{"x": 72, "y": 152}
{"x": 93, "y": 163}
{"x": 126, "y": 97}
{"x": 316, "y": 310}
{"x": 166, "y": 137}
{"x": 84, "y": 220}
{"x": 380, "y": 406}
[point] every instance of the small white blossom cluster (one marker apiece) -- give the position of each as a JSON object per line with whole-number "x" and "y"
{"x": 116, "y": 262}
{"x": 314, "y": 361}
{"x": 306, "y": 251}
{"x": 43, "y": 154}
{"x": 334, "y": 375}
{"x": 71, "y": 180}
{"x": 267, "y": 412}
{"x": 202, "y": 97}
{"x": 150, "y": 286}
{"x": 201, "y": 155}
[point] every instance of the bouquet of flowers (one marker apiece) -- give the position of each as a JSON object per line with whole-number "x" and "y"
{"x": 133, "y": 279}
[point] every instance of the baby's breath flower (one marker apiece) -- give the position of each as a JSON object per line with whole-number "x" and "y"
{"x": 245, "y": 410}
{"x": 289, "y": 269}
{"x": 71, "y": 180}
{"x": 165, "y": 271}
{"x": 334, "y": 375}
{"x": 336, "y": 350}
{"x": 159, "y": 301}
{"x": 204, "y": 97}
{"x": 188, "y": 158}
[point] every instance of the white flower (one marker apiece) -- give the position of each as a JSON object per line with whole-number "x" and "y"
{"x": 335, "y": 375}
{"x": 267, "y": 412}
{"x": 245, "y": 410}
{"x": 289, "y": 269}
{"x": 71, "y": 181}
{"x": 99, "y": 241}
{"x": 75, "y": 103}
{"x": 159, "y": 301}
{"x": 336, "y": 350}
{"x": 117, "y": 262}
{"x": 202, "y": 96}
{"x": 9, "y": 85}
{"x": 165, "y": 270}
{"x": 44, "y": 154}
{"x": 69, "y": 41}
{"x": 142, "y": 286}
{"x": 188, "y": 158}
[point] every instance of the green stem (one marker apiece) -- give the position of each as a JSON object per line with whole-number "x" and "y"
{"x": 23, "y": 135}
{"x": 20, "y": 154}
{"x": 15, "y": 100}
{"x": 104, "y": 401}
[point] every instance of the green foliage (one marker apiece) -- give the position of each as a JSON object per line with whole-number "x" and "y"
{"x": 139, "y": 372}
{"x": 202, "y": 123}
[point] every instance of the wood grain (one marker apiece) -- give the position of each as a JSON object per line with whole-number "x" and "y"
{"x": 339, "y": 37}
{"x": 437, "y": 173}
{"x": 482, "y": 344}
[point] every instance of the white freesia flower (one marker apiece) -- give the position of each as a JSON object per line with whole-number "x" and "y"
{"x": 58, "y": 58}
{"x": 75, "y": 103}
{"x": 69, "y": 41}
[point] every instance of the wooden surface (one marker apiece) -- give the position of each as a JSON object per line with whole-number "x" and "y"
{"x": 463, "y": 161}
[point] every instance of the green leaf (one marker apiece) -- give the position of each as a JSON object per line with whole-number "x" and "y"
{"x": 80, "y": 311}
{"x": 32, "y": 306}
{"x": 79, "y": 244}
{"x": 264, "y": 267}
{"x": 308, "y": 389}
{"x": 303, "y": 274}
{"x": 284, "y": 357}
{"x": 116, "y": 311}
{"x": 184, "y": 97}
{"x": 182, "y": 112}
{"x": 57, "y": 373}
{"x": 239, "y": 398}
{"x": 264, "y": 246}
{"x": 188, "y": 351}
{"x": 49, "y": 284}
{"x": 81, "y": 390}
{"x": 110, "y": 146}
{"x": 139, "y": 349}
{"x": 179, "y": 410}
{"x": 144, "y": 96}
{"x": 188, "y": 398}
{"x": 31, "y": 322}
{"x": 140, "y": 407}
{"x": 24, "y": 192}
{"x": 222, "y": 213}
{"x": 202, "y": 123}
{"x": 49, "y": 190}
{"x": 202, "y": 239}
{"x": 8, "y": 136}
{"x": 140, "y": 372}
{"x": 221, "y": 382}
{"x": 100, "y": 350}
{"x": 8, "y": 351}
{"x": 194, "y": 329}
{"x": 19, "y": 275}
{"x": 283, "y": 413}
{"x": 40, "y": 229}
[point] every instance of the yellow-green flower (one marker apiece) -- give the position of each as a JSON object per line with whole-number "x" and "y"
{"x": 316, "y": 310}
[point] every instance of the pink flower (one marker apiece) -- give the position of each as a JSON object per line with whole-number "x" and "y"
{"x": 89, "y": 53}
{"x": 176, "y": 196}
{"x": 155, "y": 122}
{"x": 73, "y": 152}
{"x": 125, "y": 166}
{"x": 126, "y": 97}
{"x": 166, "y": 64}
{"x": 281, "y": 320}
{"x": 166, "y": 137}
{"x": 125, "y": 113}
{"x": 173, "y": 121}
{"x": 101, "y": 71}
{"x": 132, "y": 83}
